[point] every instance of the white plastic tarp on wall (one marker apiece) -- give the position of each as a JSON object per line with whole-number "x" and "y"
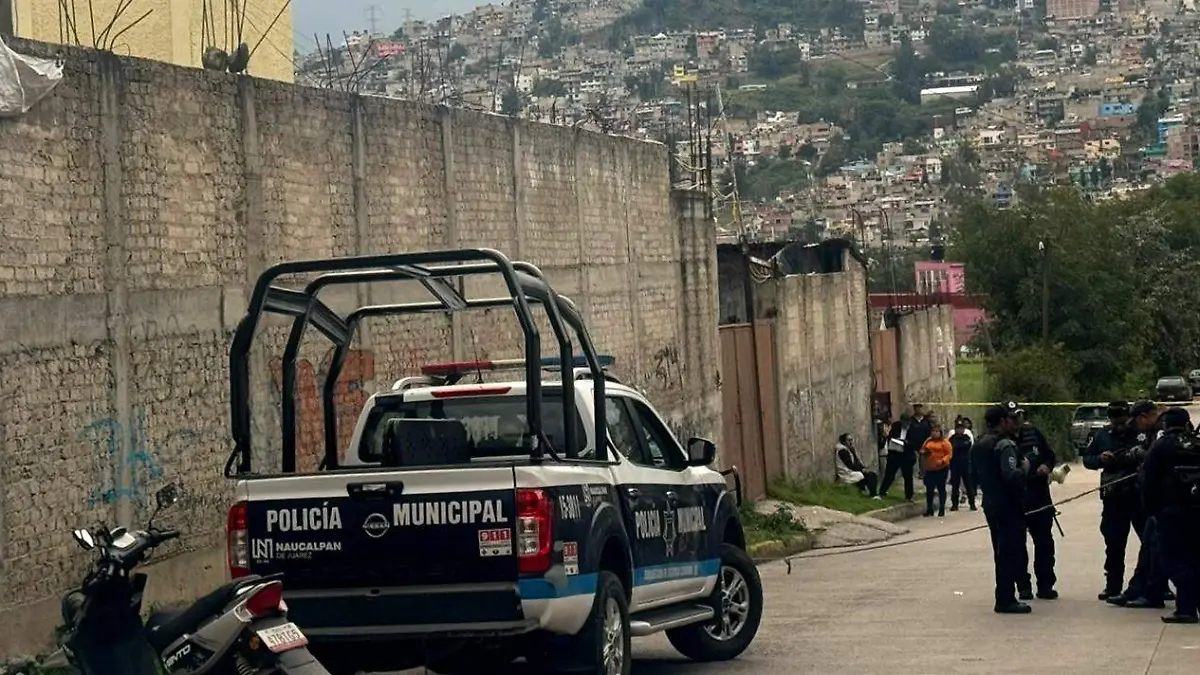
{"x": 25, "y": 80}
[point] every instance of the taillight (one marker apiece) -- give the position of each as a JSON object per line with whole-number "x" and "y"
{"x": 535, "y": 522}
{"x": 266, "y": 600}
{"x": 237, "y": 544}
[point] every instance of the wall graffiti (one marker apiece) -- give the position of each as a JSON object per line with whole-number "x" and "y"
{"x": 125, "y": 463}
{"x": 666, "y": 369}
{"x": 350, "y": 396}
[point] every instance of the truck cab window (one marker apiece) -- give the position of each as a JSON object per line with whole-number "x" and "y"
{"x": 661, "y": 450}
{"x": 621, "y": 430}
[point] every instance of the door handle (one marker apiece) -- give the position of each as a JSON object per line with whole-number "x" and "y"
{"x": 633, "y": 493}
{"x": 672, "y": 496}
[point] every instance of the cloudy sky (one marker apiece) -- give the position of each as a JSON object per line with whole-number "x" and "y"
{"x": 335, "y": 16}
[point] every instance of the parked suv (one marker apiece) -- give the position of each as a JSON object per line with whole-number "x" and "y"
{"x": 1174, "y": 388}
{"x": 1194, "y": 379}
{"x": 469, "y": 524}
{"x": 1085, "y": 421}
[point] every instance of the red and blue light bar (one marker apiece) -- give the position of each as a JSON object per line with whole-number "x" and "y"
{"x": 453, "y": 368}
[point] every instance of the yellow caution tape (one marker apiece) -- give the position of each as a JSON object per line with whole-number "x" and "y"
{"x": 1023, "y": 404}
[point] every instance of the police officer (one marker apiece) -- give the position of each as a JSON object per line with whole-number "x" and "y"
{"x": 1039, "y": 510}
{"x": 1109, "y": 451}
{"x": 1148, "y": 586}
{"x": 1001, "y": 474}
{"x": 1171, "y": 493}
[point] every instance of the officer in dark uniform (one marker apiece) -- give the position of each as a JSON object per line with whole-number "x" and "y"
{"x": 1148, "y": 586}
{"x": 1171, "y": 493}
{"x": 1110, "y": 451}
{"x": 1039, "y": 510}
{"x": 1001, "y": 473}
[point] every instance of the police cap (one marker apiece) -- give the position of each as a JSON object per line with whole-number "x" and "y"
{"x": 1176, "y": 418}
{"x": 1141, "y": 408}
{"x": 995, "y": 414}
{"x": 1118, "y": 409}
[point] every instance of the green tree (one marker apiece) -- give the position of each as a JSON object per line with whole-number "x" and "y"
{"x": 835, "y": 156}
{"x": 548, "y": 86}
{"x": 510, "y": 103}
{"x": 773, "y": 62}
{"x": 907, "y": 72}
{"x": 457, "y": 53}
{"x": 1122, "y": 278}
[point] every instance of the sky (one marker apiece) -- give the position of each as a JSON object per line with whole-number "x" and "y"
{"x": 334, "y": 16}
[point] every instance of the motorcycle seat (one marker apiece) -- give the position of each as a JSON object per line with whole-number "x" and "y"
{"x": 163, "y": 628}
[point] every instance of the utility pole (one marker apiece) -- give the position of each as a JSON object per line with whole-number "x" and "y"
{"x": 1045, "y": 291}
{"x": 747, "y": 286}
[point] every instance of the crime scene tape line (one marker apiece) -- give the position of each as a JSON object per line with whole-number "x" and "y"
{"x": 843, "y": 549}
{"x": 986, "y": 404}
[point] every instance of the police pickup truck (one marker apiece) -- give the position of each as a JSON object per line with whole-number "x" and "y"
{"x": 470, "y": 523}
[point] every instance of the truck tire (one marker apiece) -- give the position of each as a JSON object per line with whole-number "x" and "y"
{"x": 602, "y": 646}
{"x": 738, "y": 600}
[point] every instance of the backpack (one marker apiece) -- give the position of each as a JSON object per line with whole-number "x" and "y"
{"x": 1186, "y": 483}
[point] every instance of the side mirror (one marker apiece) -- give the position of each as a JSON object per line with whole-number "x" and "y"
{"x": 701, "y": 452}
{"x": 84, "y": 539}
{"x": 167, "y": 496}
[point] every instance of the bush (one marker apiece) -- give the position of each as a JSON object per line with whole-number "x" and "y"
{"x": 1039, "y": 374}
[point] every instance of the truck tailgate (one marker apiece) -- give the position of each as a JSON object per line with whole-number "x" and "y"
{"x": 384, "y": 529}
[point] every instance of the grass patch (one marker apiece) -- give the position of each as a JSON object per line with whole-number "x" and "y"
{"x": 974, "y": 386}
{"x": 831, "y": 496}
{"x": 761, "y": 527}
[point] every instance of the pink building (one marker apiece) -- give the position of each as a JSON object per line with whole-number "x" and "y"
{"x": 935, "y": 277}
{"x": 949, "y": 278}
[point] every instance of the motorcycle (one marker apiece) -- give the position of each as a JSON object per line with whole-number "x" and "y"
{"x": 239, "y": 629}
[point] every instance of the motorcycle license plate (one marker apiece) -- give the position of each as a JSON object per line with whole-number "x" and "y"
{"x": 282, "y": 638}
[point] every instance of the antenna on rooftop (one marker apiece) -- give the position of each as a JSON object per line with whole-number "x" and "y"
{"x": 373, "y": 18}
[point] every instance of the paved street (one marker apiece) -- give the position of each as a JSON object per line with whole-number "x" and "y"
{"x": 926, "y": 608}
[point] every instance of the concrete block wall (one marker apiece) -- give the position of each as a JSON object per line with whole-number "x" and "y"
{"x": 142, "y": 200}
{"x": 928, "y": 357}
{"x": 824, "y": 366}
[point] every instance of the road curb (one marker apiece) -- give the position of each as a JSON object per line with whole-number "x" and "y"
{"x": 896, "y": 512}
{"x": 767, "y": 551}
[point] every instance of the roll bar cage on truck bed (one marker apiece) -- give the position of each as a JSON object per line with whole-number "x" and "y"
{"x": 434, "y": 270}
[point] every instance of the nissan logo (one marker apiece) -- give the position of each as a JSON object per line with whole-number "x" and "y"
{"x": 376, "y": 525}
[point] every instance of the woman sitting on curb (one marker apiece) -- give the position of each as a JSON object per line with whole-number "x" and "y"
{"x": 851, "y": 470}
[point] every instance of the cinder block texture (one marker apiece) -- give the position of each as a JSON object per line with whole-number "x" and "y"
{"x": 928, "y": 358}
{"x": 824, "y": 362}
{"x": 141, "y": 200}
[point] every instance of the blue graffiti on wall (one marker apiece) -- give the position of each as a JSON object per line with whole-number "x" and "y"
{"x": 127, "y": 465}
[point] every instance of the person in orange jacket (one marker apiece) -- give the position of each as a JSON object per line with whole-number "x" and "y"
{"x": 935, "y": 459}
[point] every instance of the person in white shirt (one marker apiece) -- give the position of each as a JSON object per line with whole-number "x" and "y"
{"x": 851, "y": 470}
{"x": 962, "y": 439}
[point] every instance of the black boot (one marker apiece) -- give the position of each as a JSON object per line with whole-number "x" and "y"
{"x": 1108, "y": 593}
{"x": 1143, "y": 603}
{"x": 1180, "y": 618}
{"x": 1013, "y": 608}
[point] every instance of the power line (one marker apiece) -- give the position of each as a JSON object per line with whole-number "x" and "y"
{"x": 858, "y": 548}
{"x": 373, "y": 18}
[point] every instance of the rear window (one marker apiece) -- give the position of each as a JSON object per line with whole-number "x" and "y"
{"x": 494, "y": 423}
{"x": 1171, "y": 382}
{"x": 1091, "y": 413}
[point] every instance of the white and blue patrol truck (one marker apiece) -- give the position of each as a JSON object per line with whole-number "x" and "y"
{"x": 476, "y": 518}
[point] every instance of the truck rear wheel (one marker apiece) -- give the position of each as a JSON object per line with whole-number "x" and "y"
{"x": 602, "y": 646}
{"x": 737, "y": 599}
